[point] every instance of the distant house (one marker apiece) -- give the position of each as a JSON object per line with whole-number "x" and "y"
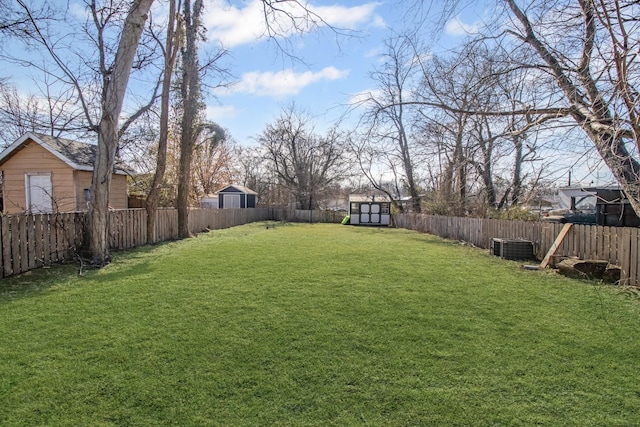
{"x": 236, "y": 196}
{"x": 43, "y": 174}
{"x": 608, "y": 206}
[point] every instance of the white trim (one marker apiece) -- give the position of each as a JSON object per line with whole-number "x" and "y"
{"x": 239, "y": 188}
{"x": 44, "y": 145}
{"x": 29, "y": 135}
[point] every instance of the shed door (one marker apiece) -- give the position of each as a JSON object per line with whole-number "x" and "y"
{"x": 364, "y": 213}
{"x": 39, "y": 193}
{"x": 375, "y": 213}
{"x": 370, "y": 213}
{"x": 231, "y": 201}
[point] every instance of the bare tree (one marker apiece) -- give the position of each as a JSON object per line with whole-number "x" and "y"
{"x": 588, "y": 49}
{"x": 49, "y": 110}
{"x": 591, "y": 50}
{"x": 212, "y": 166}
{"x": 254, "y": 171}
{"x": 387, "y": 131}
{"x": 115, "y": 80}
{"x": 18, "y": 114}
{"x": 379, "y": 164}
{"x": 304, "y": 162}
{"x": 446, "y": 132}
{"x": 170, "y": 52}
{"x": 190, "y": 94}
{"x": 14, "y": 22}
{"x": 102, "y": 109}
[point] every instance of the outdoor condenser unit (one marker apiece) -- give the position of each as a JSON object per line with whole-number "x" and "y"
{"x": 513, "y": 249}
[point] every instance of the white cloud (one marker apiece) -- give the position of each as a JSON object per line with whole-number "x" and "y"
{"x": 349, "y": 17}
{"x": 455, "y": 27}
{"x": 365, "y": 98}
{"x": 233, "y": 26}
{"x": 283, "y": 83}
{"x": 374, "y": 52}
{"x": 217, "y": 113}
{"x": 79, "y": 11}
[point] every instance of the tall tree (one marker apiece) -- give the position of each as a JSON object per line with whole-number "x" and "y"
{"x": 191, "y": 98}
{"x": 212, "y": 163}
{"x": 114, "y": 66}
{"x": 303, "y": 161}
{"x": 591, "y": 50}
{"x": 387, "y": 129}
{"x": 170, "y": 53}
{"x": 114, "y": 84}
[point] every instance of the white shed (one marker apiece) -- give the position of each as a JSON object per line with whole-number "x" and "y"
{"x": 369, "y": 210}
{"x": 209, "y": 202}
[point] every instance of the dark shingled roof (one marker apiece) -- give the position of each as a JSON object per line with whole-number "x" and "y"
{"x": 76, "y": 154}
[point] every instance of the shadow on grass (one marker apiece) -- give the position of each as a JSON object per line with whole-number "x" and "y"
{"x": 35, "y": 282}
{"x": 125, "y": 264}
{"x": 438, "y": 241}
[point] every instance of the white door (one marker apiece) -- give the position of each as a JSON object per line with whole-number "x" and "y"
{"x": 364, "y": 213}
{"x": 231, "y": 201}
{"x": 39, "y": 193}
{"x": 375, "y": 213}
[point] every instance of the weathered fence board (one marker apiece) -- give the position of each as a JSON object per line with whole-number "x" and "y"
{"x": 32, "y": 241}
{"x": 6, "y": 246}
{"x": 15, "y": 244}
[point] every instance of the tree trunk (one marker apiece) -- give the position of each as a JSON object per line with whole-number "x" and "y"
{"x": 516, "y": 183}
{"x": 190, "y": 98}
{"x": 487, "y": 178}
{"x": 114, "y": 88}
{"x": 588, "y": 106}
{"x": 171, "y": 50}
{"x": 403, "y": 142}
{"x": 460, "y": 170}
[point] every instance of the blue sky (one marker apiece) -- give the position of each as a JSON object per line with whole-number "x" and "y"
{"x": 329, "y": 70}
{"x": 318, "y": 68}
{"x": 332, "y": 69}
{"x": 331, "y": 66}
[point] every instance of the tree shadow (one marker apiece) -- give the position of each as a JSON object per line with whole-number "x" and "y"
{"x": 125, "y": 264}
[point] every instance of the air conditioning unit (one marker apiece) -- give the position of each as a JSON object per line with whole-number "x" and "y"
{"x": 513, "y": 249}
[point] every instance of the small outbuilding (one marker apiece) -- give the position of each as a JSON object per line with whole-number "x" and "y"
{"x": 608, "y": 206}
{"x": 43, "y": 174}
{"x": 209, "y": 202}
{"x": 369, "y": 210}
{"x": 614, "y": 209}
{"x": 236, "y": 197}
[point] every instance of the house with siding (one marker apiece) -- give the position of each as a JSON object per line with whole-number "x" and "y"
{"x": 43, "y": 174}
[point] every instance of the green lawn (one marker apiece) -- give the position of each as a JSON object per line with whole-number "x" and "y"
{"x": 315, "y": 325}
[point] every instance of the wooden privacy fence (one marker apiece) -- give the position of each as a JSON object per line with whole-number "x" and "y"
{"x": 297, "y": 215}
{"x": 129, "y": 226}
{"x": 33, "y": 241}
{"x": 617, "y": 245}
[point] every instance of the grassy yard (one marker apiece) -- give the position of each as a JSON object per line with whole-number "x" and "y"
{"x": 315, "y": 325}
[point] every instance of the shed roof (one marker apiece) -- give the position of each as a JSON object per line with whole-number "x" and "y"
{"x": 368, "y": 198}
{"x": 77, "y": 155}
{"x": 236, "y": 189}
